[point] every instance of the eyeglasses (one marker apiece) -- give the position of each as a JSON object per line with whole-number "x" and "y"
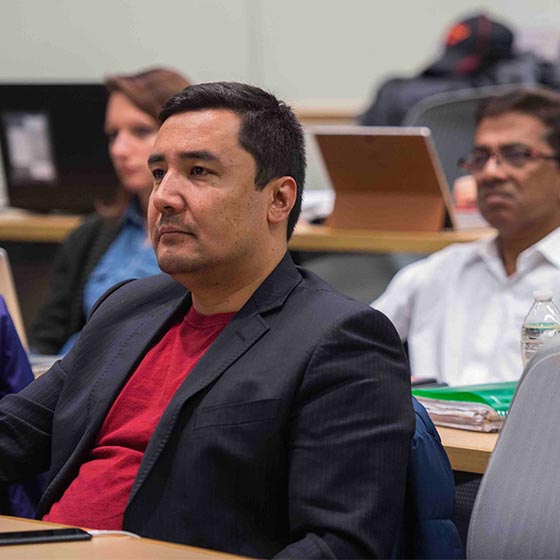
{"x": 515, "y": 156}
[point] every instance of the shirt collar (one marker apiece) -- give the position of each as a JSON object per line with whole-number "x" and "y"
{"x": 133, "y": 214}
{"x": 548, "y": 247}
{"x": 487, "y": 248}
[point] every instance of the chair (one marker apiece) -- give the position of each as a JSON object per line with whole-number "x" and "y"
{"x": 451, "y": 118}
{"x": 428, "y": 530}
{"x": 15, "y": 374}
{"x": 517, "y": 509}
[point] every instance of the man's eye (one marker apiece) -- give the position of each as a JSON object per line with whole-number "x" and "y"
{"x": 516, "y": 155}
{"x": 479, "y": 158}
{"x": 158, "y": 174}
{"x": 198, "y": 170}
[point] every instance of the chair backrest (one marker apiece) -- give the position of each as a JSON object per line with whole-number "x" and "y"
{"x": 451, "y": 118}
{"x": 517, "y": 509}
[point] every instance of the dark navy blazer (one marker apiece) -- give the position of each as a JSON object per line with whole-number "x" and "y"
{"x": 290, "y": 436}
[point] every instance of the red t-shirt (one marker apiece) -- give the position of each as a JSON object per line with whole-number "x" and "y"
{"x": 97, "y": 497}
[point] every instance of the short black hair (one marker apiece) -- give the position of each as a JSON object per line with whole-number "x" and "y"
{"x": 269, "y": 131}
{"x": 541, "y": 103}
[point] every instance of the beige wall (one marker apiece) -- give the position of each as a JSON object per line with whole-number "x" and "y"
{"x": 305, "y": 50}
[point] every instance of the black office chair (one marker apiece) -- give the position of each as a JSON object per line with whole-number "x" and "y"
{"x": 451, "y": 118}
{"x": 517, "y": 509}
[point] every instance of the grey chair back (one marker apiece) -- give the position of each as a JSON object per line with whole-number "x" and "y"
{"x": 451, "y": 118}
{"x": 517, "y": 510}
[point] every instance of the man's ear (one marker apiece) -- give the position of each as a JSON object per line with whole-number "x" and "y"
{"x": 283, "y": 193}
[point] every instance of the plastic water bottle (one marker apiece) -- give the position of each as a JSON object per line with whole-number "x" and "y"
{"x": 542, "y": 322}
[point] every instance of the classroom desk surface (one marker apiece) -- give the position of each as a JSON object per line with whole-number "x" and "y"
{"x": 323, "y": 238}
{"x": 16, "y": 225}
{"x": 115, "y": 547}
{"x": 468, "y": 451}
{"x": 318, "y": 111}
{"x": 48, "y": 228}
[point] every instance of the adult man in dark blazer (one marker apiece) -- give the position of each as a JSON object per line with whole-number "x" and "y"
{"x": 288, "y": 434}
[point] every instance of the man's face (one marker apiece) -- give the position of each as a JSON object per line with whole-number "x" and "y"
{"x": 205, "y": 214}
{"x": 517, "y": 200}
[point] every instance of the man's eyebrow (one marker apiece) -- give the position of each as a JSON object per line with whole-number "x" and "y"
{"x": 500, "y": 146}
{"x": 155, "y": 158}
{"x": 203, "y": 155}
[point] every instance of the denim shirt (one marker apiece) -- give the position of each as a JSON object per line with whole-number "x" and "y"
{"x": 131, "y": 255}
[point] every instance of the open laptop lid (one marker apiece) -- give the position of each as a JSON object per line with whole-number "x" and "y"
{"x": 8, "y": 291}
{"x": 384, "y": 178}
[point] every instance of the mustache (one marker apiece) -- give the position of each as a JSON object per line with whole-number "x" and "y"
{"x": 490, "y": 184}
{"x": 494, "y": 187}
{"x": 172, "y": 223}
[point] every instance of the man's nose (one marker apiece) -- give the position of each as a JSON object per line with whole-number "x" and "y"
{"x": 494, "y": 167}
{"x": 166, "y": 196}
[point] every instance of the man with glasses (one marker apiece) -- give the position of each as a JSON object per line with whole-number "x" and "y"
{"x": 462, "y": 308}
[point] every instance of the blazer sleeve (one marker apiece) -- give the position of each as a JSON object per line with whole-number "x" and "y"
{"x": 26, "y": 418}
{"x": 26, "y": 426}
{"x": 350, "y": 438}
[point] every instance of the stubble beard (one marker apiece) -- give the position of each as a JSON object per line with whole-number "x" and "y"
{"x": 174, "y": 264}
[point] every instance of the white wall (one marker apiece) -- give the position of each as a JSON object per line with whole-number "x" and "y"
{"x": 301, "y": 49}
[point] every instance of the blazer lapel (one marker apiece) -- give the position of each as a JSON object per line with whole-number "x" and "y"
{"x": 117, "y": 363}
{"x": 129, "y": 347}
{"x": 237, "y": 337}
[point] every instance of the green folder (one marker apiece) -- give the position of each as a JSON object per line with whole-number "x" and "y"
{"x": 496, "y": 395}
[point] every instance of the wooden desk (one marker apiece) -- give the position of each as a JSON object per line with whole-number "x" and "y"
{"x": 330, "y": 112}
{"x": 39, "y": 228}
{"x": 326, "y": 239}
{"x": 115, "y": 547}
{"x": 467, "y": 451}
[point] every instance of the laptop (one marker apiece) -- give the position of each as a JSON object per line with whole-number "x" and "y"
{"x": 384, "y": 178}
{"x": 53, "y": 148}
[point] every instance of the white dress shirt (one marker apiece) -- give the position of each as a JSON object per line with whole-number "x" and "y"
{"x": 462, "y": 315}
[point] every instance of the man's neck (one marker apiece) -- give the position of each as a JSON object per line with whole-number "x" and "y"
{"x": 210, "y": 298}
{"x": 510, "y": 247}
